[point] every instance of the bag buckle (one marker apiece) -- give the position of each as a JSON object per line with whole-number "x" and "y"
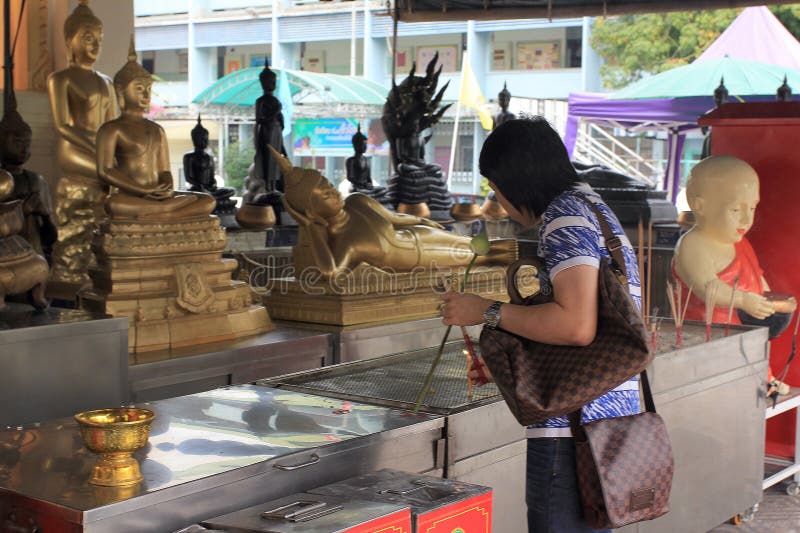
{"x": 613, "y": 244}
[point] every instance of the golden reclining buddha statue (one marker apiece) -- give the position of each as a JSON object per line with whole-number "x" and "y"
{"x": 357, "y": 262}
{"x": 337, "y": 235}
{"x": 159, "y": 251}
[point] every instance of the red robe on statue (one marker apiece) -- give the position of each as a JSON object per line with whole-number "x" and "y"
{"x": 744, "y": 266}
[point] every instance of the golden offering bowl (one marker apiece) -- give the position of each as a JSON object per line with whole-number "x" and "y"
{"x": 492, "y": 210}
{"x": 257, "y": 217}
{"x": 115, "y": 434}
{"x": 419, "y": 210}
{"x": 465, "y": 211}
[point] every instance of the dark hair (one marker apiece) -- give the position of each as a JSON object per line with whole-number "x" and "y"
{"x": 527, "y": 162}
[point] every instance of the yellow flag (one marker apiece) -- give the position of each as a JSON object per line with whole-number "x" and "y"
{"x": 471, "y": 95}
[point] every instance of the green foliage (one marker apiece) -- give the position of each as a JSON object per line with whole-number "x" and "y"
{"x": 236, "y": 162}
{"x": 634, "y": 46}
{"x": 789, "y": 17}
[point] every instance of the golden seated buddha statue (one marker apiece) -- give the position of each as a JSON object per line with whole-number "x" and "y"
{"x": 81, "y": 99}
{"x": 159, "y": 252}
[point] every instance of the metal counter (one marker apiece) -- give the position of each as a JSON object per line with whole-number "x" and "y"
{"x": 57, "y": 362}
{"x": 176, "y": 372}
{"x": 209, "y": 454}
{"x": 485, "y": 445}
{"x": 368, "y": 341}
{"x": 711, "y": 397}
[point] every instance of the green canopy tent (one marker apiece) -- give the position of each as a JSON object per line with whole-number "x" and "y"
{"x": 701, "y": 78}
{"x": 313, "y": 94}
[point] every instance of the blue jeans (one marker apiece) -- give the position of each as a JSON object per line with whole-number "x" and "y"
{"x": 551, "y": 488}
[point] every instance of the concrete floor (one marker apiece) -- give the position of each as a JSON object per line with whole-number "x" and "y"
{"x": 777, "y": 513}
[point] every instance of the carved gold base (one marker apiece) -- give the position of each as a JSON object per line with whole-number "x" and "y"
{"x": 116, "y": 470}
{"x": 78, "y": 208}
{"x": 180, "y": 295}
{"x": 369, "y": 295}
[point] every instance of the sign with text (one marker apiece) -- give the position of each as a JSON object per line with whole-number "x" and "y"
{"x": 333, "y": 137}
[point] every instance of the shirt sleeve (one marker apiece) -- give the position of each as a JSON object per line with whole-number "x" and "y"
{"x": 570, "y": 238}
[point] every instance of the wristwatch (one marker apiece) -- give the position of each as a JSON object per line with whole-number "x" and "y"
{"x": 491, "y": 317}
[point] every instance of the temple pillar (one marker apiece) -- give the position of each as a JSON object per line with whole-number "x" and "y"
{"x": 375, "y": 51}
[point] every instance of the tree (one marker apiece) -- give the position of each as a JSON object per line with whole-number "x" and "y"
{"x": 634, "y": 46}
{"x": 237, "y": 160}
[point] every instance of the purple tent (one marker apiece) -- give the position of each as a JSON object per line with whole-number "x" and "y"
{"x": 756, "y": 34}
{"x": 672, "y": 115}
{"x": 675, "y": 116}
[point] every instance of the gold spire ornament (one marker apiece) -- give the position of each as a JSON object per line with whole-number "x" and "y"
{"x": 81, "y": 99}
{"x": 159, "y": 251}
{"x": 132, "y": 70}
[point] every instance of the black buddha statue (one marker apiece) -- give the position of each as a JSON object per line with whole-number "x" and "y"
{"x": 503, "y": 99}
{"x": 358, "y": 170}
{"x": 416, "y": 187}
{"x": 198, "y": 168}
{"x": 491, "y": 208}
{"x": 268, "y": 187}
{"x": 39, "y": 228}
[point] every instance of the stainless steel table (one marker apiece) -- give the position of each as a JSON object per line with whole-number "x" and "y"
{"x": 711, "y": 397}
{"x": 485, "y": 445}
{"x": 368, "y": 341}
{"x": 171, "y": 373}
{"x": 209, "y": 454}
{"x": 59, "y": 361}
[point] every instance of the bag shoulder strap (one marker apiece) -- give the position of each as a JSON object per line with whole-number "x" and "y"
{"x": 613, "y": 243}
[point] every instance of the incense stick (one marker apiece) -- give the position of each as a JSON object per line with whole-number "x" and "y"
{"x": 640, "y": 263}
{"x": 654, "y": 329}
{"x": 648, "y": 281}
{"x": 686, "y": 305}
{"x": 730, "y": 306}
{"x": 675, "y": 311}
{"x": 711, "y": 302}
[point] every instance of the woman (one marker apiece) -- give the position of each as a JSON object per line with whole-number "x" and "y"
{"x": 530, "y": 172}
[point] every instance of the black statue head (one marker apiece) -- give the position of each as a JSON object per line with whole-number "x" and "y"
{"x": 720, "y": 93}
{"x": 784, "y": 93}
{"x": 359, "y": 141}
{"x": 268, "y": 79}
{"x": 504, "y": 98}
{"x": 199, "y": 136}
{"x": 15, "y": 136}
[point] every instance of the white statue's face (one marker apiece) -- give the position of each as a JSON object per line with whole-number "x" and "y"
{"x": 726, "y": 209}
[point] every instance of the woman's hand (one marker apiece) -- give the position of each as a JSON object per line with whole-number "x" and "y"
{"x": 479, "y": 374}
{"x": 463, "y": 309}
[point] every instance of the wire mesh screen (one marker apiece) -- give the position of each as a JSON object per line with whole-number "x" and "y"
{"x": 400, "y": 380}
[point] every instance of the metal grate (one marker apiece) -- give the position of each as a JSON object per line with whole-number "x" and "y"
{"x": 400, "y": 380}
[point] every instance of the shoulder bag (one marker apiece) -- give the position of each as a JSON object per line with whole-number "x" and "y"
{"x": 624, "y": 466}
{"x": 540, "y": 381}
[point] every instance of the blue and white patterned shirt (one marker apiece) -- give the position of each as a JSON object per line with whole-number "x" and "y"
{"x": 570, "y": 236}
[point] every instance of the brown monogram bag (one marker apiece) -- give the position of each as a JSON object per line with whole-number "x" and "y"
{"x": 541, "y": 381}
{"x": 624, "y": 466}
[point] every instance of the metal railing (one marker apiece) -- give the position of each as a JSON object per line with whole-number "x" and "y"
{"x": 595, "y": 145}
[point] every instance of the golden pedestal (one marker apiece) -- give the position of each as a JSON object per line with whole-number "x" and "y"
{"x": 78, "y": 209}
{"x": 371, "y": 295}
{"x": 170, "y": 279}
